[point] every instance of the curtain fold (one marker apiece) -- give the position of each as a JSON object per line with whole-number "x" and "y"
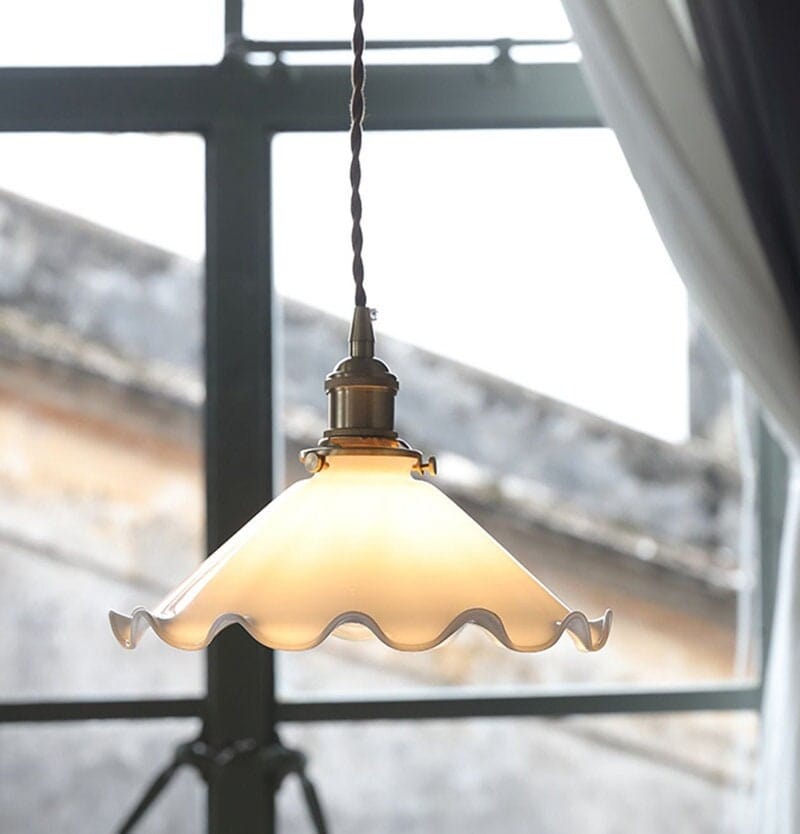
{"x": 752, "y": 62}
{"x": 751, "y": 58}
{"x": 654, "y": 97}
{"x": 728, "y": 211}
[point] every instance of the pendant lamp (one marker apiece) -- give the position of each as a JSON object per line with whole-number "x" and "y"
{"x": 366, "y": 545}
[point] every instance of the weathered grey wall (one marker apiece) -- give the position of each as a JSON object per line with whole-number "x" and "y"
{"x": 588, "y": 477}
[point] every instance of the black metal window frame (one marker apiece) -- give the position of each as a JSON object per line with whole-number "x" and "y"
{"x": 238, "y": 107}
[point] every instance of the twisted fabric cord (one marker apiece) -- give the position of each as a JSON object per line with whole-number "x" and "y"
{"x": 356, "y": 122}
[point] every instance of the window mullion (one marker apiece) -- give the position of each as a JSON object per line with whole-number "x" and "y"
{"x": 239, "y": 451}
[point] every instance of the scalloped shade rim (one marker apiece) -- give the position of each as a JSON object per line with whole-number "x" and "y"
{"x": 129, "y": 630}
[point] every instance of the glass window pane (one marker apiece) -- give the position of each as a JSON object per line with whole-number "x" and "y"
{"x": 99, "y": 33}
{"x": 658, "y": 774}
{"x": 497, "y": 215}
{"x": 452, "y": 19}
{"x": 75, "y": 778}
{"x": 541, "y": 336}
{"x": 100, "y": 405}
{"x": 427, "y": 56}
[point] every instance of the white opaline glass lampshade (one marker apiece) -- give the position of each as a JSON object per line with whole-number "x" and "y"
{"x": 362, "y": 542}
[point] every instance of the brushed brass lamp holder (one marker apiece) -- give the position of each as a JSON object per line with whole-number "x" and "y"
{"x": 361, "y": 391}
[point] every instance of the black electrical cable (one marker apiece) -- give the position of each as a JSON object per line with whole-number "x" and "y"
{"x": 357, "y": 104}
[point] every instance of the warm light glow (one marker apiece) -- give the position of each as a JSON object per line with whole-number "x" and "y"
{"x": 364, "y": 542}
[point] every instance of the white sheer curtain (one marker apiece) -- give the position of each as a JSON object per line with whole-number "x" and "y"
{"x": 644, "y": 73}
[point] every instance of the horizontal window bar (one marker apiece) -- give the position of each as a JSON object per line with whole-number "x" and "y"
{"x": 298, "y": 98}
{"x": 14, "y": 713}
{"x": 459, "y": 706}
{"x": 243, "y": 46}
{"x": 573, "y": 703}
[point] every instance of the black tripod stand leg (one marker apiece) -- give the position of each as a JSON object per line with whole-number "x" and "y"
{"x": 313, "y": 803}
{"x": 150, "y": 795}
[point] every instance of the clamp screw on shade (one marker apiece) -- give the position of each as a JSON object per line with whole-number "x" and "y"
{"x": 312, "y": 462}
{"x": 428, "y": 467}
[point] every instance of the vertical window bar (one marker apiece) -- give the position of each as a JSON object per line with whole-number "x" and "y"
{"x": 772, "y": 487}
{"x": 233, "y": 21}
{"x": 238, "y": 448}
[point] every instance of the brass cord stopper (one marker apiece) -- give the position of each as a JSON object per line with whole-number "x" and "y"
{"x": 362, "y": 337}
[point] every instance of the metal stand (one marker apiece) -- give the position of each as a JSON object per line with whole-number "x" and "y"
{"x": 273, "y": 761}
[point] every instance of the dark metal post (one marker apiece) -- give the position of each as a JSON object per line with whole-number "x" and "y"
{"x": 773, "y": 470}
{"x": 233, "y": 20}
{"x": 238, "y": 446}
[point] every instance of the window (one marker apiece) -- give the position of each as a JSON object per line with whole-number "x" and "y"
{"x": 101, "y": 479}
{"x": 681, "y": 692}
{"x": 471, "y": 262}
{"x": 321, "y": 20}
{"x": 94, "y": 33}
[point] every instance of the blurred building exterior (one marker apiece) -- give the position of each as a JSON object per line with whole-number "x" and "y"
{"x": 101, "y": 504}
